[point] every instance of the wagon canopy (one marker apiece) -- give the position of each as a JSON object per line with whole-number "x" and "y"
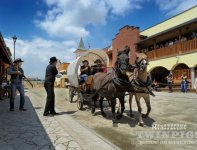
{"x": 73, "y": 70}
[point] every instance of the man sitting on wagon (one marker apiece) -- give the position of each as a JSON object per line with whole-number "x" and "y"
{"x": 85, "y": 71}
{"x": 98, "y": 67}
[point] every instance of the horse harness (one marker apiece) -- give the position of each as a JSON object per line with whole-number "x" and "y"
{"x": 139, "y": 84}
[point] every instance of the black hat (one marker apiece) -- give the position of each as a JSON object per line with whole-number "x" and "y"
{"x": 52, "y": 60}
{"x": 18, "y": 60}
{"x": 85, "y": 61}
{"x": 98, "y": 61}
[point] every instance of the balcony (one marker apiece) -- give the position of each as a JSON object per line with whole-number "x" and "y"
{"x": 179, "y": 48}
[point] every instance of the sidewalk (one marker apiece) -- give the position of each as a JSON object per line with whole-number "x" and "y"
{"x": 31, "y": 131}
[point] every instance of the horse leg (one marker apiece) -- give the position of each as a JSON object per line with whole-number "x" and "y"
{"x": 101, "y": 106}
{"x": 113, "y": 109}
{"x": 130, "y": 104}
{"x": 118, "y": 110}
{"x": 141, "y": 123}
{"x": 147, "y": 101}
{"x": 94, "y": 104}
{"x": 119, "y": 116}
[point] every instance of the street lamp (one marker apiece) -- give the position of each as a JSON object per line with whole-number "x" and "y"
{"x": 14, "y": 39}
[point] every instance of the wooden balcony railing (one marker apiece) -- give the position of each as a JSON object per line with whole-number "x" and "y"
{"x": 179, "y": 48}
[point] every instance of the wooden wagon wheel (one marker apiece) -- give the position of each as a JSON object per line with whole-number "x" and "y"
{"x": 71, "y": 94}
{"x": 80, "y": 100}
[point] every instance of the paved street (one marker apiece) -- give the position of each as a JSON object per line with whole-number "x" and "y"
{"x": 167, "y": 108}
{"x": 31, "y": 131}
{"x": 75, "y": 129}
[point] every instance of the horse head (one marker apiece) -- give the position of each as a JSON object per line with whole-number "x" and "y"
{"x": 123, "y": 60}
{"x": 141, "y": 61}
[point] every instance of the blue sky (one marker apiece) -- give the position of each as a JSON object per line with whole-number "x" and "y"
{"x": 47, "y": 28}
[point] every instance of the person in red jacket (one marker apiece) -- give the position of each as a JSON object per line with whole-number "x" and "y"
{"x": 98, "y": 67}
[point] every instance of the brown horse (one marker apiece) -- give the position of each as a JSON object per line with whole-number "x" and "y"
{"x": 113, "y": 85}
{"x": 142, "y": 82}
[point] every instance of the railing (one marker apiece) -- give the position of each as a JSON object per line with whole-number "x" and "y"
{"x": 179, "y": 48}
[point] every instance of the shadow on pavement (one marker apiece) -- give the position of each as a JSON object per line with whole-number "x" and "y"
{"x": 126, "y": 119}
{"x": 67, "y": 112}
{"x": 22, "y": 130}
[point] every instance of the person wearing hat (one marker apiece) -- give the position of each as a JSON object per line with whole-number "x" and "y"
{"x": 17, "y": 75}
{"x": 85, "y": 70}
{"x": 98, "y": 67}
{"x": 51, "y": 72}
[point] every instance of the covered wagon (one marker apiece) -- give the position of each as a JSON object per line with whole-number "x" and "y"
{"x": 73, "y": 73}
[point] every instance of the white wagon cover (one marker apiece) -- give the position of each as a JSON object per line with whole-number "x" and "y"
{"x": 73, "y": 70}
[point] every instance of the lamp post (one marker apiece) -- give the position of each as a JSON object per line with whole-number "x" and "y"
{"x": 14, "y": 39}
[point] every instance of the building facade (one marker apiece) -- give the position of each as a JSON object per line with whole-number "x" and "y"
{"x": 5, "y": 62}
{"x": 171, "y": 46}
{"x": 127, "y": 35}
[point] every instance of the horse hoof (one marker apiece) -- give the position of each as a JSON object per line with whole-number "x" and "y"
{"x": 104, "y": 114}
{"x": 144, "y": 116}
{"x": 114, "y": 123}
{"x": 119, "y": 117}
{"x": 141, "y": 124}
{"x": 93, "y": 114}
{"x": 93, "y": 110}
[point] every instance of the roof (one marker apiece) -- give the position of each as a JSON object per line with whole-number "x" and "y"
{"x": 81, "y": 45}
{"x": 171, "y": 29}
{"x": 174, "y": 21}
{"x": 5, "y": 54}
{"x": 106, "y": 48}
{"x": 79, "y": 51}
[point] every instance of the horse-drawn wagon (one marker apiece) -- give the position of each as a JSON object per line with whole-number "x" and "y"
{"x": 84, "y": 94}
{"x": 110, "y": 85}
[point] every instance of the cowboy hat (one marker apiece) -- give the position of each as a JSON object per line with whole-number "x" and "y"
{"x": 18, "y": 60}
{"x": 85, "y": 61}
{"x": 52, "y": 60}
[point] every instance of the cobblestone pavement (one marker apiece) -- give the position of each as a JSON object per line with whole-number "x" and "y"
{"x": 30, "y": 130}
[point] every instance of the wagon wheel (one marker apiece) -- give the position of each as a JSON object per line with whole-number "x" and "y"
{"x": 80, "y": 101}
{"x": 71, "y": 94}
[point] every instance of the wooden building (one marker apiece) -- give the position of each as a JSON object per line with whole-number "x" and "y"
{"x": 171, "y": 46}
{"x": 5, "y": 61}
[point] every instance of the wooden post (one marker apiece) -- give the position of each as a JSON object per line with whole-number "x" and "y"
{"x": 179, "y": 35}
{"x": 179, "y": 45}
{"x": 154, "y": 48}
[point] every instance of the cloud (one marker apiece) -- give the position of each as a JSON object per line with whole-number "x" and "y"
{"x": 36, "y": 53}
{"x": 69, "y": 19}
{"x": 173, "y": 7}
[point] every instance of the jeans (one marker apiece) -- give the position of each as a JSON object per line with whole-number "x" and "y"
{"x": 84, "y": 77}
{"x": 184, "y": 86}
{"x": 50, "y": 102}
{"x": 20, "y": 88}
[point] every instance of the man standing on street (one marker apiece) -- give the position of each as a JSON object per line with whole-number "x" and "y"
{"x": 17, "y": 75}
{"x": 170, "y": 80}
{"x": 51, "y": 72}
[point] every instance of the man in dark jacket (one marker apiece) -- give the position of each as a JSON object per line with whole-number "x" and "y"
{"x": 51, "y": 72}
{"x": 17, "y": 75}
